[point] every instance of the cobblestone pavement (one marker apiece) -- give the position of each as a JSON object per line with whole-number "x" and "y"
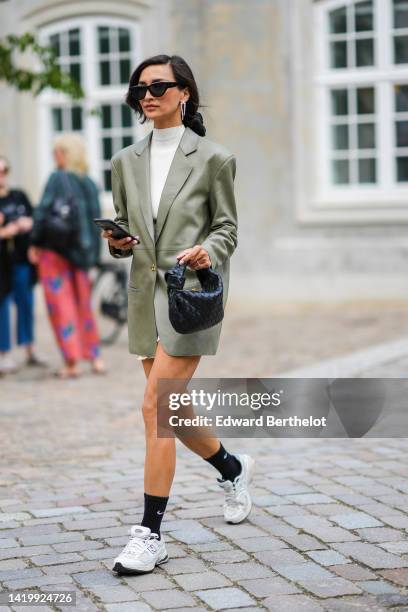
{"x": 328, "y": 530}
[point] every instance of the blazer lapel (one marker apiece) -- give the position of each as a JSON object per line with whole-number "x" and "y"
{"x": 142, "y": 176}
{"x": 180, "y": 169}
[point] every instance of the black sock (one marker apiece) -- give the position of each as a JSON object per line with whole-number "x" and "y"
{"x": 228, "y": 465}
{"x": 154, "y": 507}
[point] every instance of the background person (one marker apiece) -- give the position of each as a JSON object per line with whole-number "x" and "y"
{"x": 64, "y": 276}
{"x": 17, "y": 275}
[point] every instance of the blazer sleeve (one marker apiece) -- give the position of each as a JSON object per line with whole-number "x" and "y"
{"x": 223, "y": 238}
{"x": 120, "y": 205}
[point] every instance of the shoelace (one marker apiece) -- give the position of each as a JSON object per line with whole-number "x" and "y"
{"x": 139, "y": 540}
{"x": 231, "y": 493}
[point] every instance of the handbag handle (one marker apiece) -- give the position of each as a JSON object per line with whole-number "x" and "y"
{"x": 176, "y": 276}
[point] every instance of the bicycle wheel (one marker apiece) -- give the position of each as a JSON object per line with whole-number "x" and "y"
{"x": 109, "y": 297}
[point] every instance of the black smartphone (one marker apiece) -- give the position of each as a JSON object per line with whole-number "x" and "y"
{"x": 117, "y": 232}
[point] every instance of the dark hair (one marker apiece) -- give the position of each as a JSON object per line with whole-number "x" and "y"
{"x": 183, "y": 77}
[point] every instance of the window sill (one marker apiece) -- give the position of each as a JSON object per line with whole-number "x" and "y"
{"x": 353, "y": 211}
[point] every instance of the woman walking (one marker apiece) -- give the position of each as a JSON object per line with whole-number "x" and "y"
{"x": 174, "y": 189}
{"x": 64, "y": 275}
{"x": 17, "y": 275}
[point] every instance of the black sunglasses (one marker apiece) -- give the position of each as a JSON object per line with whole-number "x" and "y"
{"x": 156, "y": 89}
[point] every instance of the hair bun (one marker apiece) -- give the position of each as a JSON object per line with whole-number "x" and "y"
{"x": 197, "y": 124}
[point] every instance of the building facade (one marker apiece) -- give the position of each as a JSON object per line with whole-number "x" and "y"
{"x": 311, "y": 96}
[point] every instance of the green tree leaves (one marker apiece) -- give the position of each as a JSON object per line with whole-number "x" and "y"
{"x": 12, "y": 49}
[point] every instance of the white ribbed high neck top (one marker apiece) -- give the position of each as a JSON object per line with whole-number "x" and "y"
{"x": 163, "y": 146}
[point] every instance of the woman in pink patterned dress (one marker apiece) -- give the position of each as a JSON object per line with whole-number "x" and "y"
{"x": 64, "y": 276}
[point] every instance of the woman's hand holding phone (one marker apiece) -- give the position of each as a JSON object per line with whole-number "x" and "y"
{"x": 121, "y": 243}
{"x": 118, "y": 237}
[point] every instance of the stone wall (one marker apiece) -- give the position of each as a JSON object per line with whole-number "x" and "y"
{"x": 253, "y": 62}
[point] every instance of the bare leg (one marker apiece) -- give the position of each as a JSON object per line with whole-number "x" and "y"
{"x": 202, "y": 446}
{"x": 160, "y": 459}
{"x": 69, "y": 370}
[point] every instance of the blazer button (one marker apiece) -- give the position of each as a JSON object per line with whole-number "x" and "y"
{"x": 153, "y": 268}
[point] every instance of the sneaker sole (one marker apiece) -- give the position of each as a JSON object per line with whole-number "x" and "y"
{"x": 250, "y": 476}
{"x": 121, "y": 569}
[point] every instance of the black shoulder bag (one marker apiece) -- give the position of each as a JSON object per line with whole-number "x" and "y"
{"x": 60, "y": 228}
{"x": 192, "y": 310}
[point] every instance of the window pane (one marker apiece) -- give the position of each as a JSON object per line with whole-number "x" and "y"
{"x": 57, "y": 119}
{"x": 401, "y": 98}
{"x": 127, "y": 141}
{"x": 365, "y": 52}
{"x": 74, "y": 46}
{"x": 75, "y": 72}
{"x": 366, "y": 136}
{"x": 117, "y": 144}
{"x": 107, "y": 180}
{"x": 365, "y": 100}
{"x": 402, "y": 169}
{"x": 105, "y": 73}
{"x": 363, "y": 17}
{"x": 338, "y": 54}
{"x": 106, "y": 116}
{"x": 55, "y": 43}
{"x": 339, "y": 102}
{"x": 366, "y": 171}
{"x": 401, "y": 50}
{"x": 107, "y": 148}
{"x": 103, "y": 35}
{"x": 340, "y": 169}
{"x": 338, "y": 21}
{"x": 401, "y": 136}
{"x": 76, "y": 118}
{"x": 124, "y": 70}
{"x": 126, "y": 116}
{"x": 65, "y": 67}
{"x": 124, "y": 40}
{"x": 340, "y": 137}
{"x": 400, "y": 14}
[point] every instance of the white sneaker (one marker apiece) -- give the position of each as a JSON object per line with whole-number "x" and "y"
{"x": 7, "y": 364}
{"x": 238, "y": 502}
{"x": 142, "y": 553}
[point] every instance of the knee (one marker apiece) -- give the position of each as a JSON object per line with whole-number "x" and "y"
{"x": 149, "y": 409}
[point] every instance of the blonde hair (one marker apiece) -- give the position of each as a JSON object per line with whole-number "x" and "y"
{"x": 74, "y": 147}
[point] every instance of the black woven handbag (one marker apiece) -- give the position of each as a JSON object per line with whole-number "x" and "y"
{"x": 191, "y": 310}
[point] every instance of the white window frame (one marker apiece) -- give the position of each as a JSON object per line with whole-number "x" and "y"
{"x": 386, "y": 200}
{"x": 95, "y": 94}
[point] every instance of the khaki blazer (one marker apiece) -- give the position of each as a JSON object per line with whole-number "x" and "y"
{"x": 197, "y": 206}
